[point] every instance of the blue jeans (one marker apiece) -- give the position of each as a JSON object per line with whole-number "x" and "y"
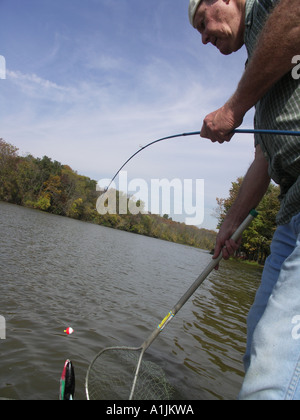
{"x": 272, "y": 359}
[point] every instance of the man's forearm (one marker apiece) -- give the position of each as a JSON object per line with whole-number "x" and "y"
{"x": 278, "y": 43}
{"x": 253, "y": 188}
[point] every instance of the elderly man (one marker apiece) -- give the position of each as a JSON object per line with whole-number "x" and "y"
{"x": 270, "y": 29}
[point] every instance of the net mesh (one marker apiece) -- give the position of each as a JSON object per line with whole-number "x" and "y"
{"x": 112, "y": 373}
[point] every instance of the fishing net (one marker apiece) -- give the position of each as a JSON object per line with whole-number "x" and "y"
{"x": 111, "y": 377}
{"x": 120, "y": 373}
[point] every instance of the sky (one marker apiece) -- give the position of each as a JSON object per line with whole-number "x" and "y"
{"x": 88, "y": 82}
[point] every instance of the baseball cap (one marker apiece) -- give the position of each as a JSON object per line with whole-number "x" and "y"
{"x": 193, "y": 6}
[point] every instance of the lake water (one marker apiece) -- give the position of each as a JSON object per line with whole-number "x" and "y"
{"x": 113, "y": 288}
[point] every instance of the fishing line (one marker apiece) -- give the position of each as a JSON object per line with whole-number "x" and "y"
{"x": 197, "y": 133}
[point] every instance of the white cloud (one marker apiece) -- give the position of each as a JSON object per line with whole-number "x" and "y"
{"x": 37, "y": 87}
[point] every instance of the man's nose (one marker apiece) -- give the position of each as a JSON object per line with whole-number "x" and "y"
{"x": 205, "y": 38}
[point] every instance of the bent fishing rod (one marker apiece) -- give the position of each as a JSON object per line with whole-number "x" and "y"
{"x": 197, "y": 133}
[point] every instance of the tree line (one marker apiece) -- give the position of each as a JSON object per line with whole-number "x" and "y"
{"x": 50, "y": 186}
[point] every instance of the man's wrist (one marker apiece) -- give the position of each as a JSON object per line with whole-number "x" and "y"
{"x": 239, "y": 104}
{"x": 237, "y": 214}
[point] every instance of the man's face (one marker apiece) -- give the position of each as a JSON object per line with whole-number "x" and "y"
{"x": 221, "y": 22}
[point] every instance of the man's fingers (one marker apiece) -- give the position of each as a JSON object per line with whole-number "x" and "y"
{"x": 225, "y": 253}
{"x": 217, "y": 251}
{"x": 228, "y": 249}
{"x": 215, "y": 137}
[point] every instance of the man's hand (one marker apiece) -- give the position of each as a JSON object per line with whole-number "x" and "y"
{"x": 225, "y": 245}
{"x": 252, "y": 190}
{"x": 219, "y": 125}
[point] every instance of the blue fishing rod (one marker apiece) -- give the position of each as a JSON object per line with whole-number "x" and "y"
{"x": 197, "y": 133}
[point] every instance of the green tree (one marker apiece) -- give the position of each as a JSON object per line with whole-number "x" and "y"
{"x": 8, "y": 164}
{"x": 27, "y": 175}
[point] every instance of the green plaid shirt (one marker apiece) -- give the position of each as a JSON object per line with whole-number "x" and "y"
{"x": 279, "y": 109}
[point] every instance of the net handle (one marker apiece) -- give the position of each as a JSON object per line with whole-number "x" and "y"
{"x": 237, "y": 234}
